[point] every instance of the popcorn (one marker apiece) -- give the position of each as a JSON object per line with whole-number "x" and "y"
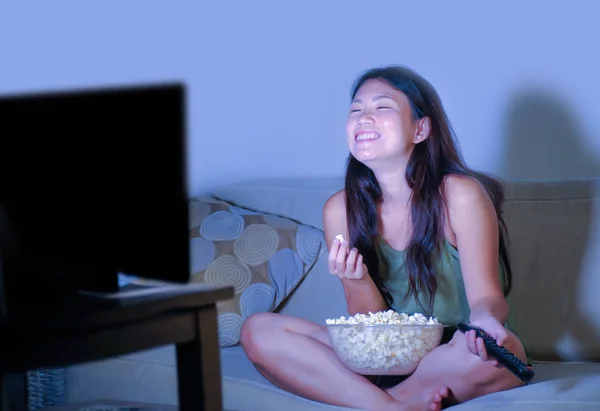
{"x": 371, "y": 344}
{"x": 340, "y": 237}
{"x": 384, "y": 317}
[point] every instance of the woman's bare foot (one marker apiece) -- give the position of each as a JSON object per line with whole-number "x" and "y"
{"x": 438, "y": 397}
{"x": 421, "y": 400}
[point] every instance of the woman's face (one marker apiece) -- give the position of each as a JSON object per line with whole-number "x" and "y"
{"x": 380, "y": 124}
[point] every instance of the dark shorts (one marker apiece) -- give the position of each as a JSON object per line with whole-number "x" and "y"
{"x": 387, "y": 381}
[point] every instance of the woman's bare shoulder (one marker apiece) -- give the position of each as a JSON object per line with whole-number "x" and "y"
{"x": 465, "y": 198}
{"x": 464, "y": 191}
{"x": 336, "y": 203}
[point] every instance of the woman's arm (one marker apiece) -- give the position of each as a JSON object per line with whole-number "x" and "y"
{"x": 361, "y": 292}
{"x": 474, "y": 222}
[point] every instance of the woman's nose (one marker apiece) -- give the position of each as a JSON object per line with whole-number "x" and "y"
{"x": 365, "y": 118}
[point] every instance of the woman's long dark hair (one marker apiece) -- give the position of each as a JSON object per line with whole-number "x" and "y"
{"x": 430, "y": 161}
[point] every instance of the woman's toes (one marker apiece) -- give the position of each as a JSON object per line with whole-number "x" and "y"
{"x": 444, "y": 392}
{"x": 435, "y": 406}
{"x": 436, "y": 400}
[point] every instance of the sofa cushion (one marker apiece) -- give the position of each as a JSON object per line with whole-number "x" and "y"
{"x": 150, "y": 377}
{"x": 318, "y": 297}
{"x": 557, "y": 387}
{"x": 263, "y": 256}
{"x": 554, "y": 230}
{"x": 300, "y": 199}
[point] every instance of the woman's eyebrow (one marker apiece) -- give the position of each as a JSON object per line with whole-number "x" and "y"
{"x": 379, "y": 97}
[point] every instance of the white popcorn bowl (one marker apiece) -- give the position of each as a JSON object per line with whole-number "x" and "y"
{"x": 383, "y": 349}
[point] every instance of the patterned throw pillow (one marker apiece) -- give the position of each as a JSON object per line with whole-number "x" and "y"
{"x": 264, "y": 257}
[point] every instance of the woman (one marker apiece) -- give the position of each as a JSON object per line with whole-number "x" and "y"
{"x": 425, "y": 234}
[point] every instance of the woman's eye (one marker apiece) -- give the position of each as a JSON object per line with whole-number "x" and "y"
{"x": 355, "y": 110}
{"x": 380, "y": 107}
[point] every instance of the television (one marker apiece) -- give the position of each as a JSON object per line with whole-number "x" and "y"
{"x": 93, "y": 184}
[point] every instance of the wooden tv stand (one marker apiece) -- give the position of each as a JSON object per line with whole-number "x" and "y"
{"x": 91, "y": 329}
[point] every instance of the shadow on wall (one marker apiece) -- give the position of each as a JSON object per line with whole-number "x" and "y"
{"x": 552, "y": 241}
{"x": 544, "y": 141}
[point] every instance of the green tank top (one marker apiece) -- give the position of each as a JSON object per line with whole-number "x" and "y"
{"x": 450, "y": 304}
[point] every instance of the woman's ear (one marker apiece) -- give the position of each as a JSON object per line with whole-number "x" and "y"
{"x": 422, "y": 131}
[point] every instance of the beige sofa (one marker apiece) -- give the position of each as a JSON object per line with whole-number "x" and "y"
{"x": 555, "y": 245}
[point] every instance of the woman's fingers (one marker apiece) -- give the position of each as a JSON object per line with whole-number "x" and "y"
{"x": 351, "y": 263}
{"x": 471, "y": 343}
{"x": 345, "y": 262}
{"x": 481, "y": 349}
{"x": 333, "y": 252}
{"x": 340, "y": 261}
{"x": 360, "y": 267}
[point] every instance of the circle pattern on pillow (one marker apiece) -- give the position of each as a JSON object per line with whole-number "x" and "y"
{"x": 202, "y": 253}
{"x": 222, "y": 226}
{"x": 227, "y": 270}
{"x": 263, "y": 257}
{"x": 308, "y": 243}
{"x": 198, "y": 211}
{"x": 229, "y": 327}
{"x": 256, "y": 244}
{"x": 258, "y": 298}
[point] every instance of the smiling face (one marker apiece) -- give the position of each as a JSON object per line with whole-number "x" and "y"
{"x": 381, "y": 124}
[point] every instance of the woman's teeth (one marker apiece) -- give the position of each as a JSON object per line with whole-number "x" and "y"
{"x": 367, "y": 136}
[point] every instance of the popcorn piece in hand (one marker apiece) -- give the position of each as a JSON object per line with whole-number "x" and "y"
{"x": 340, "y": 237}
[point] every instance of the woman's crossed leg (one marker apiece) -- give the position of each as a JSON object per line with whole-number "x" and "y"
{"x": 296, "y": 356}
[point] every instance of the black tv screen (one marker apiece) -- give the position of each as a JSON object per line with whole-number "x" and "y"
{"x": 93, "y": 183}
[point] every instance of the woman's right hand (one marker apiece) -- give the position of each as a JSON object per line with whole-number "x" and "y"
{"x": 346, "y": 263}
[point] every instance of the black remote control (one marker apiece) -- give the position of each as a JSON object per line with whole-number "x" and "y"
{"x": 504, "y": 356}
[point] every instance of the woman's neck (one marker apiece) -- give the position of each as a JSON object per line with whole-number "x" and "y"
{"x": 394, "y": 188}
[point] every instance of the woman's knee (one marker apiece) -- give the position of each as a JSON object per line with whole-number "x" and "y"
{"x": 482, "y": 372}
{"x": 255, "y": 334}
{"x": 262, "y": 333}
{"x": 515, "y": 345}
